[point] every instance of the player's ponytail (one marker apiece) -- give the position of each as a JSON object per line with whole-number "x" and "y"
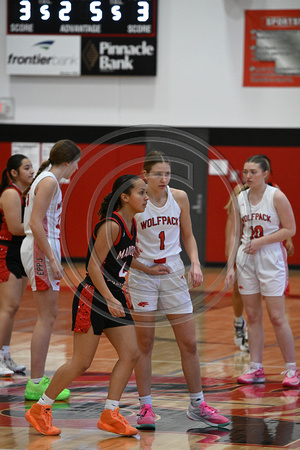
{"x": 61, "y": 152}
{"x": 113, "y": 201}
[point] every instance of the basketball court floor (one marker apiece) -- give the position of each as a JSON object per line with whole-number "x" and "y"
{"x": 261, "y": 416}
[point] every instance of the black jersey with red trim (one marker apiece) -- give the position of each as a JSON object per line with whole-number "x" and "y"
{"x": 5, "y": 234}
{"x": 119, "y": 257}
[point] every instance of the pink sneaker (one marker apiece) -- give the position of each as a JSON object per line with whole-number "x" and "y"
{"x": 252, "y": 375}
{"x": 146, "y": 419}
{"x": 207, "y": 414}
{"x": 291, "y": 378}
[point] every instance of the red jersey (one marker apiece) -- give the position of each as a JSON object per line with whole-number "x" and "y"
{"x": 5, "y": 234}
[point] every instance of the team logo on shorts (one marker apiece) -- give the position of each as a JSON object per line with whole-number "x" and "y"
{"x": 143, "y": 304}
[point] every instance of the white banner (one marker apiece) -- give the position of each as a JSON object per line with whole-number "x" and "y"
{"x": 29, "y": 149}
{"x": 43, "y": 55}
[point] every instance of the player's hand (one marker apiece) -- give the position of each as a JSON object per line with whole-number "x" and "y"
{"x": 159, "y": 269}
{"x": 115, "y": 308}
{"x": 252, "y": 247}
{"x": 195, "y": 276}
{"x": 138, "y": 250}
{"x": 289, "y": 247}
{"x": 57, "y": 269}
{"x": 229, "y": 279}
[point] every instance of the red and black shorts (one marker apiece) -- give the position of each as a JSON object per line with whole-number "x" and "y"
{"x": 10, "y": 261}
{"x": 90, "y": 308}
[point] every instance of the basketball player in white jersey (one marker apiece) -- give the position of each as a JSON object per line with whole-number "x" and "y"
{"x": 267, "y": 220}
{"x": 158, "y": 282}
{"x": 40, "y": 254}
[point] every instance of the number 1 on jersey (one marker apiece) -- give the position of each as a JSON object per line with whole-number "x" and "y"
{"x": 162, "y": 240}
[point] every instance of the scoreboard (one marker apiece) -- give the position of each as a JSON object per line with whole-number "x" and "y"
{"x": 107, "y": 37}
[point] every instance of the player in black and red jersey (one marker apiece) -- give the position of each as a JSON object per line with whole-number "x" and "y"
{"x": 16, "y": 177}
{"x": 100, "y": 306}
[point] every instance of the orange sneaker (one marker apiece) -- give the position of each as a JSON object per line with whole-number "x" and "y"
{"x": 114, "y": 422}
{"x": 40, "y": 417}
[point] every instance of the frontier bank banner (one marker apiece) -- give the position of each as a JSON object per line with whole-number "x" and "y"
{"x": 43, "y": 55}
{"x": 75, "y": 55}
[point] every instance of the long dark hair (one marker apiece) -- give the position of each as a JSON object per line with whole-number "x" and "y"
{"x": 13, "y": 163}
{"x": 61, "y": 152}
{"x": 113, "y": 201}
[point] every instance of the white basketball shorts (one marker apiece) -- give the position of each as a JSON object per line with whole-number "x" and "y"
{"x": 167, "y": 293}
{"x": 265, "y": 272}
{"x": 37, "y": 266}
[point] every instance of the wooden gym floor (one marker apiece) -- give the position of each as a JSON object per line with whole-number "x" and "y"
{"x": 262, "y": 416}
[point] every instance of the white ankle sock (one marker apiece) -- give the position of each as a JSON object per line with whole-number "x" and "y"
{"x": 197, "y": 398}
{"x": 238, "y": 320}
{"x": 5, "y": 349}
{"x": 36, "y": 380}
{"x": 257, "y": 365}
{"x": 111, "y": 404}
{"x": 291, "y": 366}
{"x": 44, "y": 400}
{"x": 146, "y": 400}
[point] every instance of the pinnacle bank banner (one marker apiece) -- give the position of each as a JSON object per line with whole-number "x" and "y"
{"x": 118, "y": 56}
{"x": 272, "y": 48}
{"x": 75, "y": 55}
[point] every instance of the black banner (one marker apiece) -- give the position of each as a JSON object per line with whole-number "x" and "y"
{"x": 118, "y": 56}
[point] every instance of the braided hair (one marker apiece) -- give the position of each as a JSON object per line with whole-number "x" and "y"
{"x": 113, "y": 201}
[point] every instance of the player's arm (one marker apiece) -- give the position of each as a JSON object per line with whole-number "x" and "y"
{"x": 106, "y": 236}
{"x": 234, "y": 239}
{"x": 12, "y": 208}
{"x": 230, "y": 218}
{"x": 44, "y": 192}
{"x": 157, "y": 269}
{"x": 228, "y": 228}
{"x": 188, "y": 238}
{"x": 289, "y": 245}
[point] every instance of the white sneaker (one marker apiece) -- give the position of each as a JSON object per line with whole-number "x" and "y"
{"x": 10, "y": 363}
{"x": 5, "y": 371}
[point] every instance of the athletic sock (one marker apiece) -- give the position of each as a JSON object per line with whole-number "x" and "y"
{"x": 258, "y": 366}
{"x": 111, "y": 404}
{"x": 146, "y": 400}
{"x": 197, "y": 398}
{"x": 36, "y": 380}
{"x": 44, "y": 400}
{"x": 238, "y": 320}
{"x": 291, "y": 366}
{"x": 5, "y": 349}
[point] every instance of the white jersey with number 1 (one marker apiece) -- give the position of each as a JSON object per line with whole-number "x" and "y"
{"x": 159, "y": 229}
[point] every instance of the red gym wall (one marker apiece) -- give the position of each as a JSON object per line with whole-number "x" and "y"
{"x": 100, "y": 165}
{"x": 285, "y": 167}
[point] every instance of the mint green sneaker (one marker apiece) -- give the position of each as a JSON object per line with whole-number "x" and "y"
{"x": 35, "y": 391}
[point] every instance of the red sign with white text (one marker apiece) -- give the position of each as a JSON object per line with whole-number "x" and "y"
{"x": 272, "y": 48}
